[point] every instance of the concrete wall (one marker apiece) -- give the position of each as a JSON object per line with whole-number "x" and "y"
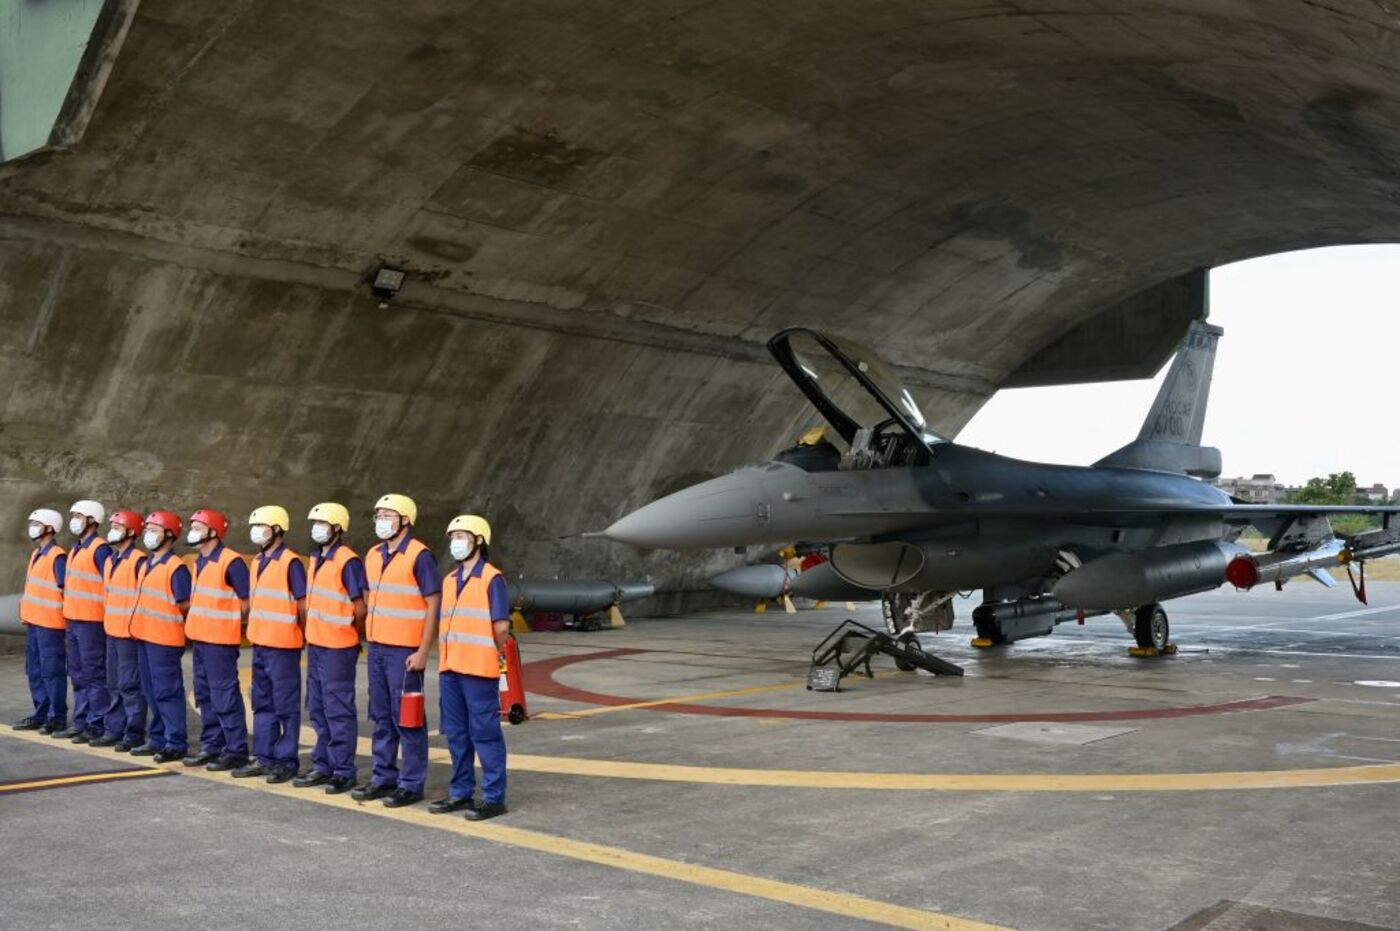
{"x": 146, "y": 383}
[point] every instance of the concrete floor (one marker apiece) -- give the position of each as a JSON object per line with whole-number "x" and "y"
{"x": 648, "y": 817}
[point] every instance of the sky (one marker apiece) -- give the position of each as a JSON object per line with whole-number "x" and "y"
{"x": 1307, "y": 377}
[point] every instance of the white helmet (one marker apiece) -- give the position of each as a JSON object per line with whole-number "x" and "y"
{"x": 89, "y": 509}
{"x": 47, "y": 517}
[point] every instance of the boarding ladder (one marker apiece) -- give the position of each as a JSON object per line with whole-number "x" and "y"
{"x": 852, "y": 645}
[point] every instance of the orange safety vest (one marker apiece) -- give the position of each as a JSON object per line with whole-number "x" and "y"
{"x": 396, "y": 606}
{"x": 272, "y": 612}
{"x": 120, "y": 588}
{"x": 42, "y": 602}
{"x": 157, "y": 618}
{"x": 330, "y": 614}
{"x": 467, "y": 644}
{"x": 215, "y": 616}
{"x": 82, "y": 584}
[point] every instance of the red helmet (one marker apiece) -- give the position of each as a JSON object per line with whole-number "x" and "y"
{"x": 211, "y": 519}
{"x": 128, "y": 519}
{"x": 166, "y": 520}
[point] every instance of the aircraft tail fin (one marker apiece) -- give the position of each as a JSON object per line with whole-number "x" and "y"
{"x": 1170, "y": 438}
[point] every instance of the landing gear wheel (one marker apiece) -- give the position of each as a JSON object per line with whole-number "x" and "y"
{"x": 1151, "y": 628}
{"x": 912, "y": 644}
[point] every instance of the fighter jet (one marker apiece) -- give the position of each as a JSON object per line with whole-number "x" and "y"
{"x": 917, "y": 517}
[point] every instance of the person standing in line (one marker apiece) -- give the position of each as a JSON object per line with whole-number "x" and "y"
{"x": 86, "y": 642}
{"x": 335, "y": 621}
{"x": 475, "y": 627}
{"x": 158, "y": 624}
{"x": 41, "y": 613}
{"x": 400, "y": 625}
{"x": 276, "y": 621}
{"x": 124, "y": 724}
{"x": 218, "y": 613}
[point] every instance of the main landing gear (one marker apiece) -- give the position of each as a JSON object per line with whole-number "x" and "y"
{"x": 1152, "y": 631}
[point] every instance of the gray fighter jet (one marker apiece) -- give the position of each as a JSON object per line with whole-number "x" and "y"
{"x": 917, "y": 517}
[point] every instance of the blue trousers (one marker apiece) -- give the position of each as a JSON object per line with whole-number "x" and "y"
{"x": 223, "y": 724}
{"x": 44, "y": 660}
{"x": 330, "y": 702}
{"x": 471, "y": 722}
{"x": 163, "y": 682}
{"x": 87, "y": 667}
{"x": 126, "y": 706}
{"x": 386, "y": 672}
{"x": 276, "y": 707}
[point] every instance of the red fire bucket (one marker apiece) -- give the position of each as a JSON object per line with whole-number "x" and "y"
{"x": 411, "y": 712}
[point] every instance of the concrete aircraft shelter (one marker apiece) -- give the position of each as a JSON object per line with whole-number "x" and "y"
{"x": 604, "y": 209}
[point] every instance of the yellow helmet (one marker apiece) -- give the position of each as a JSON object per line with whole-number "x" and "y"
{"x": 401, "y": 505}
{"x": 331, "y": 513}
{"x": 272, "y": 515}
{"x": 472, "y": 524}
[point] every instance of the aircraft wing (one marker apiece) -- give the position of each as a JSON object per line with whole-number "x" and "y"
{"x": 1230, "y": 513}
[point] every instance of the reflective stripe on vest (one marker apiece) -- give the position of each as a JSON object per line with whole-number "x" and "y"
{"x": 330, "y": 614}
{"x": 82, "y": 586}
{"x": 272, "y": 615}
{"x": 396, "y": 606}
{"x": 214, "y": 615}
{"x": 120, "y": 588}
{"x": 157, "y": 618}
{"x": 42, "y": 602}
{"x": 467, "y": 644}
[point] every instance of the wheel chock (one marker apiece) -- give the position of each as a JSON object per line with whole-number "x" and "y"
{"x": 982, "y": 642}
{"x": 1167, "y": 650}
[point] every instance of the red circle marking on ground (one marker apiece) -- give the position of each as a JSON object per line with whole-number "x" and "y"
{"x": 539, "y": 679}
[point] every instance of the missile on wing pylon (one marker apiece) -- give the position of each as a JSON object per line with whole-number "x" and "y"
{"x": 1248, "y": 570}
{"x": 766, "y": 581}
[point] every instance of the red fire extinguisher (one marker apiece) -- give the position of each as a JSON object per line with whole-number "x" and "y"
{"x": 512, "y": 684}
{"x": 411, "y": 712}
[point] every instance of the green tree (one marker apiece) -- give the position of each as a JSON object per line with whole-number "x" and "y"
{"x": 1337, "y": 488}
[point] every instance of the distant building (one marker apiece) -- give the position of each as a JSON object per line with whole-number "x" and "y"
{"x": 1374, "y": 494}
{"x": 1260, "y": 488}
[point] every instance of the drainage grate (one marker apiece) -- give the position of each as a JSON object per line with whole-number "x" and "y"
{"x": 1238, "y": 916}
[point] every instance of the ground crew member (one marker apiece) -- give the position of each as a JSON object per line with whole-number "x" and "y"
{"x": 125, "y": 720}
{"x": 218, "y": 611}
{"x": 400, "y": 625}
{"x": 335, "y": 619}
{"x": 158, "y": 624}
{"x": 41, "y": 613}
{"x": 276, "y": 619}
{"x": 475, "y": 625}
{"x": 86, "y": 641}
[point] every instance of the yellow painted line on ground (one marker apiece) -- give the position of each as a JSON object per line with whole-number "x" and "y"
{"x": 79, "y": 780}
{"x": 961, "y": 782}
{"x": 836, "y": 903}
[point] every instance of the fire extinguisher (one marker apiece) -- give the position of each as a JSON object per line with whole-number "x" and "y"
{"x": 411, "y": 712}
{"x": 512, "y": 684}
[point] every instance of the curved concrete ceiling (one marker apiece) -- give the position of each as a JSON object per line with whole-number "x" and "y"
{"x": 615, "y": 195}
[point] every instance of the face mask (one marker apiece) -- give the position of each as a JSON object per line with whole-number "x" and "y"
{"x": 152, "y": 539}
{"x": 195, "y": 537}
{"x": 384, "y": 528}
{"x": 321, "y": 533}
{"x": 461, "y": 549}
{"x": 77, "y": 525}
{"x": 260, "y": 535}
{"x": 35, "y": 532}
{"x": 115, "y": 535}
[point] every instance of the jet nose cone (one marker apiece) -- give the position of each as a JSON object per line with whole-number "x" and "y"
{"x": 726, "y": 511}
